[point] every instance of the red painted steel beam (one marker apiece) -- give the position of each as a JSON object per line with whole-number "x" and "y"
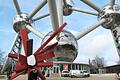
{"x": 24, "y": 35}
{"x": 15, "y": 74}
{"x": 51, "y": 37}
{"x": 22, "y": 58}
{"x": 13, "y": 55}
{"x": 29, "y": 47}
{"x": 44, "y": 56}
{"x": 46, "y": 49}
{"x": 28, "y": 71}
{"x": 20, "y": 66}
{"x": 44, "y": 64}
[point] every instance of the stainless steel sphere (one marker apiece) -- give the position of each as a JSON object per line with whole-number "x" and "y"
{"x": 113, "y": 13}
{"x": 67, "y": 48}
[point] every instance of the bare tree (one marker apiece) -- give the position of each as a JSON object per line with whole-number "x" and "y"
{"x": 98, "y": 62}
{"x": 2, "y": 58}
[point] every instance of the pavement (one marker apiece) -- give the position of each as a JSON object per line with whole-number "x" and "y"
{"x": 92, "y": 77}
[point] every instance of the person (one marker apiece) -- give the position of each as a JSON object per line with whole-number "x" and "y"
{"x": 8, "y": 75}
{"x": 43, "y": 72}
{"x": 117, "y": 74}
{"x": 33, "y": 75}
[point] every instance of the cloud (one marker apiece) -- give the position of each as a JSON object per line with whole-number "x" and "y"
{"x": 97, "y": 43}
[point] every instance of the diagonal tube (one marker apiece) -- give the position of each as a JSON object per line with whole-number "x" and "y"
{"x": 40, "y": 17}
{"x": 17, "y": 6}
{"x": 36, "y": 32}
{"x": 37, "y": 9}
{"x": 92, "y": 5}
{"x": 84, "y": 11}
{"x": 89, "y": 29}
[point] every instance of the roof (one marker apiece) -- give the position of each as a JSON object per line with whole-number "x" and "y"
{"x": 63, "y": 62}
{"x": 118, "y": 65}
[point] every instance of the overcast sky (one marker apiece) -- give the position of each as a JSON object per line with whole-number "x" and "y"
{"x": 97, "y": 43}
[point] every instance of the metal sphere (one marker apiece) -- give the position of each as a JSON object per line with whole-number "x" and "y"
{"x": 20, "y": 21}
{"x": 113, "y": 13}
{"x": 67, "y": 10}
{"x": 67, "y": 47}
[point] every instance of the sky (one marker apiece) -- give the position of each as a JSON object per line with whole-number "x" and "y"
{"x": 97, "y": 43}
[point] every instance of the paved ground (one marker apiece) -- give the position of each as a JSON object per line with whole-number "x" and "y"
{"x": 92, "y": 77}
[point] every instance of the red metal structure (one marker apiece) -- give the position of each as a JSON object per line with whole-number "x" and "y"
{"x": 108, "y": 17}
{"x": 43, "y": 53}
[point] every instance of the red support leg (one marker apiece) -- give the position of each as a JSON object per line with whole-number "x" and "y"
{"x": 45, "y": 64}
{"x": 24, "y": 35}
{"x": 44, "y": 56}
{"x": 20, "y": 66}
{"x": 15, "y": 74}
{"x": 46, "y": 49}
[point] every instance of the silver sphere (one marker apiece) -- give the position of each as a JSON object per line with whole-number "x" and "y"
{"x": 67, "y": 48}
{"x": 20, "y": 21}
{"x": 67, "y": 10}
{"x": 113, "y": 13}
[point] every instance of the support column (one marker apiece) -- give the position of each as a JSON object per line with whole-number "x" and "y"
{"x": 15, "y": 48}
{"x": 81, "y": 67}
{"x": 71, "y": 66}
{"x": 74, "y": 66}
{"x": 116, "y": 37}
{"x": 78, "y": 67}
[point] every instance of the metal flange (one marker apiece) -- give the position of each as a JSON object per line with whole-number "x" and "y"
{"x": 20, "y": 21}
{"x": 113, "y": 13}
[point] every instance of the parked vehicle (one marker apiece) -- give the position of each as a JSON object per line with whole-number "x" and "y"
{"x": 79, "y": 73}
{"x": 65, "y": 73}
{"x": 75, "y": 73}
{"x": 85, "y": 73}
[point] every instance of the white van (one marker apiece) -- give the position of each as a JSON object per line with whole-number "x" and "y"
{"x": 78, "y": 73}
{"x": 85, "y": 73}
{"x": 65, "y": 73}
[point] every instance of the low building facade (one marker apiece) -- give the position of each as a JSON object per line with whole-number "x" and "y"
{"x": 112, "y": 69}
{"x": 58, "y": 67}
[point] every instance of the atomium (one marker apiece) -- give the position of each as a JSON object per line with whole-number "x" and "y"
{"x": 64, "y": 46}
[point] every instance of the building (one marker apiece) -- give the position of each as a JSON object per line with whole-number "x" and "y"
{"x": 112, "y": 69}
{"x": 59, "y": 66}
